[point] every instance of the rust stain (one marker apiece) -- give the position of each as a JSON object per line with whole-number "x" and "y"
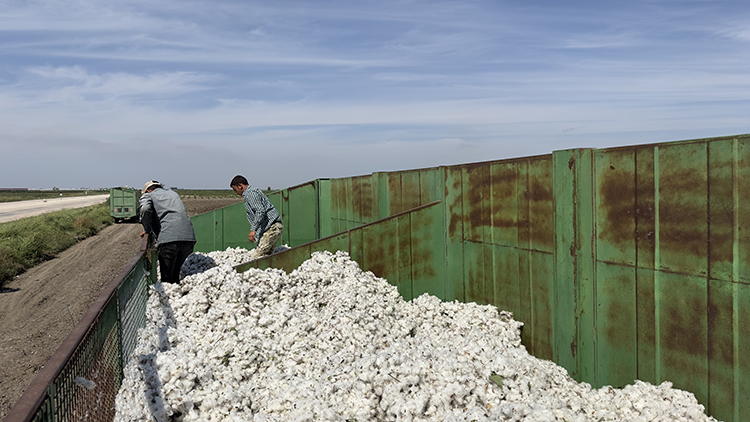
{"x": 645, "y": 212}
{"x": 683, "y": 228}
{"x": 422, "y": 246}
{"x": 356, "y": 199}
{"x": 683, "y": 335}
{"x": 719, "y": 350}
{"x": 617, "y": 194}
{"x": 367, "y": 198}
{"x": 620, "y": 310}
{"x": 478, "y": 199}
{"x": 541, "y": 212}
{"x": 375, "y": 254}
{"x": 456, "y": 204}
{"x": 394, "y": 191}
{"x": 504, "y": 180}
{"x": 475, "y": 283}
{"x": 410, "y": 191}
{"x": 541, "y": 191}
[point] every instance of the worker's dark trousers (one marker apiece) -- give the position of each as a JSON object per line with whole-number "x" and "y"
{"x": 171, "y": 257}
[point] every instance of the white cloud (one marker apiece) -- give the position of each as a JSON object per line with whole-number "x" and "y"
{"x": 338, "y": 88}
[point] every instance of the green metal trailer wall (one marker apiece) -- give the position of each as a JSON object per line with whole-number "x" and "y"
{"x": 623, "y": 263}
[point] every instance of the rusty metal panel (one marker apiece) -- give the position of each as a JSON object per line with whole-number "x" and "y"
{"x": 403, "y": 256}
{"x": 476, "y": 272}
{"x": 506, "y": 194}
{"x": 645, "y": 205}
{"x": 542, "y": 276}
{"x": 721, "y": 348}
{"x": 454, "y": 228}
{"x": 290, "y": 260}
{"x": 356, "y": 201}
{"x": 616, "y": 206}
{"x": 429, "y": 185}
{"x": 741, "y": 340}
{"x": 682, "y": 332}
{"x": 645, "y": 325}
{"x": 356, "y": 245}
{"x": 683, "y": 208}
{"x": 367, "y": 199}
{"x": 721, "y": 190}
{"x": 338, "y": 205}
{"x": 506, "y": 284}
{"x": 394, "y": 192}
{"x": 477, "y": 202}
{"x": 742, "y": 213}
{"x": 349, "y": 205}
{"x": 410, "y": 190}
{"x": 380, "y": 249}
{"x": 541, "y": 205}
{"x": 574, "y": 288}
{"x": 427, "y": 243}
{"x": 616, "y": 325}
{"x": 325, "y": 216}
{"x": 339, "y": 242}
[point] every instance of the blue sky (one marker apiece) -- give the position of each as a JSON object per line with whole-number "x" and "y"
{"x": 191, "y": 92}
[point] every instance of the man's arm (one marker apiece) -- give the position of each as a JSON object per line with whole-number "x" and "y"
{"x": 146, "y": 214}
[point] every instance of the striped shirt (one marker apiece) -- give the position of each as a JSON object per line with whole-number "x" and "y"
{"x": 260, "y": 211}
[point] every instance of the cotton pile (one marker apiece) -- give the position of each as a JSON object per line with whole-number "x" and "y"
{"x": 199, "y": 262}
{"x": 329, "y": 342}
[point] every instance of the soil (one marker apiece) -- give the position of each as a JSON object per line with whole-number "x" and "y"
{"x": 40, "y": 307}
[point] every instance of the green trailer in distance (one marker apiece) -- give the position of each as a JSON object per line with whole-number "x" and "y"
{"x": 123, "y": 204}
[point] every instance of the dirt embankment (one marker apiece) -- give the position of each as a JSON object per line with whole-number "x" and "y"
{"x": 40, "y": 307}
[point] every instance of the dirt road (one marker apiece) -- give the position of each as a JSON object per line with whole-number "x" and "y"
{"x": 10, "y": 211}
{"x": 40, "y": 308}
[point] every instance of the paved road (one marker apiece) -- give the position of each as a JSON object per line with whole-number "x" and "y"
{"x": 10, "y": 211}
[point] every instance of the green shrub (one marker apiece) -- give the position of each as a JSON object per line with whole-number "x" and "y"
{"x": 30, "y": 241}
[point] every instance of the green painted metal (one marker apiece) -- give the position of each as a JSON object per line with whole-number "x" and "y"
{"x": 223, "y": 228}
{"x": 387, "y": 248}
{"x": 623, "y": 263}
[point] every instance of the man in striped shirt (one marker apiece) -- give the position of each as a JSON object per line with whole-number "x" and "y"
{"x": 265, "y": 221}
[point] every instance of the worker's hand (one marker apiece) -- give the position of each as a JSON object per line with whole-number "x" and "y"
{"x": 143, "y": 234}
{"x": 251, "y": 237}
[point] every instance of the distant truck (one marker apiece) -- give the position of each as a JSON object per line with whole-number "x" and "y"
{"x": 123, "y": 204}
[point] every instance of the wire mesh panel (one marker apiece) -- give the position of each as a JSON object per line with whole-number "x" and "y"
{"x": 88, "y": 384}
{"x": 132, "y": 293}
{"x": 81, "y": 380}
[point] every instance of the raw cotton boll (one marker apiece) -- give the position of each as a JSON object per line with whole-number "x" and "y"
{"x": 331, "y": 342}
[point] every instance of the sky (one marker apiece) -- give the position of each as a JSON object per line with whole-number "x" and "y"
{"x": 97, "y": 94}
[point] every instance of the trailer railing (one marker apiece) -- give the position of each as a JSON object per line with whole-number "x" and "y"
{"x": 81, "y": 379}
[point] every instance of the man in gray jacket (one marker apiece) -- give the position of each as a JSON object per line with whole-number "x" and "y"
{"x": 162, "y": 213}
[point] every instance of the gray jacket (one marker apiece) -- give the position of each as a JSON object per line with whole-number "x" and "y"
{"x": 162, "y": 213}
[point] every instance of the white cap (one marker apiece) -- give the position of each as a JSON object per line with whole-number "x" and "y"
{"x": 149, "y": 184}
